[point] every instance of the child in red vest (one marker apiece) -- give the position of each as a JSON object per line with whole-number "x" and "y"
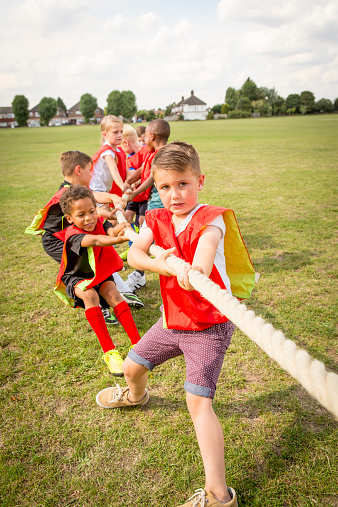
{"x": 156, "y": 135}
{"x": 208, "y": 238}
{"x": 88, "y": 262}
{"x": 109, "y": 170}
{"x": 141, "y": 132}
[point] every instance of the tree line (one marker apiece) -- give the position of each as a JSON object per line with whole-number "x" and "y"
{"x": 118, "y": 103}
{"x": 250, "y": 99}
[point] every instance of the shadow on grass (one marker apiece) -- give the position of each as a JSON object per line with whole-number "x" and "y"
{"x": 282, "y": 453}
{"x": 283, "y": 449}
{"x": 285, "y": 261}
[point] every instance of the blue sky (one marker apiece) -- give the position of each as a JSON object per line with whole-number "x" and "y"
{"x": 161, "y": 50}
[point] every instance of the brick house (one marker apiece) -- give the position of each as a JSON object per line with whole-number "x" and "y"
{"x": 75, "y": 116}
{"x": 60, "y": 117}
{"x": 7, "y": 117}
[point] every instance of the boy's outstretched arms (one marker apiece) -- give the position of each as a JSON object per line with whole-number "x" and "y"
{"x": 107, "y": 198}
{"x": 115, "y": 235}
{"x": 139, "y": 259}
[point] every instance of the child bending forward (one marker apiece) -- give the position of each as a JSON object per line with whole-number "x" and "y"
{"x": 87, "y": 265}
{"x": 208, "y": 238}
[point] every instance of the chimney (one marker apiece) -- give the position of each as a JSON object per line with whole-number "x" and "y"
{"x": 182, "y": 97}
{"x": 192, "y": 92}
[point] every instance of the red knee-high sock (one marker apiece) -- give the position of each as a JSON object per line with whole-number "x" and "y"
{"x": 124, "y": 316}
{"x": 96, "y": 320}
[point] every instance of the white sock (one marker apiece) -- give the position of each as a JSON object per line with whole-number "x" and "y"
{"x": 120, "y": 284}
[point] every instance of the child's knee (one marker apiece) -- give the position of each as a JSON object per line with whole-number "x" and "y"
{"x": 89, "y": 297}
{"x": 197, "y": 403}
{"x": 132, "y": 369}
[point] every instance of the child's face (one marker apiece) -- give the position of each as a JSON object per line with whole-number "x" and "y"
{"x": 178, "y": 191}
{"x": 84, "y": 174}
{"x": 148, "y": 139}
{"x": 83, "y": 215}
{"x": 141, "y": 138}
{"x": 114, "y": 134}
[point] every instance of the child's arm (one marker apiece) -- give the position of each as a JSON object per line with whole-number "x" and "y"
{"x": 107, "y": 198}
{"x": 115, "y": 235}
{"x": 139, "y": 259}
{"x": 110, "y": 161}
{"x": 204, "y": 255}
{"x": 144, "y": 186}
{"x": 133, "y": 177}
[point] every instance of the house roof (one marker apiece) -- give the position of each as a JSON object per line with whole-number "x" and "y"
{"x": 194, "y": 101}
{"x": 76, "y": 107}
{"x": 5, "y": 110}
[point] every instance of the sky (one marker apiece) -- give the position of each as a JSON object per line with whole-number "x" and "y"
{"x": 161, "y": 49}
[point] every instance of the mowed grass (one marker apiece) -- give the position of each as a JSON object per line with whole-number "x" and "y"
{"x": 58, "y": 448}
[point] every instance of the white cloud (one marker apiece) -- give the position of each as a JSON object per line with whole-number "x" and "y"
{"x": 66, "y": 48}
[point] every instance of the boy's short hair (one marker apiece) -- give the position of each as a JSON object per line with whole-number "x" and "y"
{"x": 160, "y": 128}
{"x": 140, "y": 130}
{"x": 72, "y": 194}
{"x": 129, "y": 131}
{"x": 177, "y": 156}
{"x": 70, "y": 159}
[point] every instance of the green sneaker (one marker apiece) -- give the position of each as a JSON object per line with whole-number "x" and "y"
{"x": 109, "y": 318}
{"x": 132, "y": 300}
{"x": 114, "y": 362}
{"x": 124, "y": 254}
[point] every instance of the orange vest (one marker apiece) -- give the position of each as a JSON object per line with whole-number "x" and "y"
{"x": 188, "y": 309}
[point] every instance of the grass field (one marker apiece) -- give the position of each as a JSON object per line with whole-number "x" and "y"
{"x": 58, "y": 448}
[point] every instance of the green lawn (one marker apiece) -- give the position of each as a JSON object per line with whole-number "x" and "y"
{"x": 58, "y": 448}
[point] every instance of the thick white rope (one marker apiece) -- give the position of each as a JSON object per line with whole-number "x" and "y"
{"x": 309, "y": 372}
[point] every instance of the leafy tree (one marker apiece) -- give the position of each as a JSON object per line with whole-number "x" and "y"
{"x": 307, "y": 102}
{"x": 88, "y": 104}
{"x": 249, "y": 89}
{"x": 20, "y": 110}
{"x": 224, "y": 109}
{"x": 142, "y": 114}
{"x": 47, "y": 109}
{"x": 216, "y": 109}
{"x": 167, "y": 111}
{"x": 335, "y": 104}
{"x": 293, "y": 102}
{"x": 210, "y": 115}
{"x": 150, "y": 116}
{"x": 324, "y": 105}
{"x": 231, "y": 98}
{"x": 61, "y": 104}
{"x": 128, "y": 102}
{"x": 114, "y": 103}
{"x": 244, "y": 104}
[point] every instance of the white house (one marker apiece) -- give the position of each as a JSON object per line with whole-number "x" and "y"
{"x": 192, "y": 108}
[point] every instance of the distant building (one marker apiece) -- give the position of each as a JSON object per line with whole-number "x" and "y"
{"x": 60, "y": 117}
{"x": 75, "y": 116}
{"x": 192, "y": 108}
{"x": 7, "y": 117}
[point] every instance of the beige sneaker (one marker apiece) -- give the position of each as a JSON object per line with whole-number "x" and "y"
{"x": 203, "y": 498}
{"x": 115, "y": 397}
{"x": 114, "y": 362}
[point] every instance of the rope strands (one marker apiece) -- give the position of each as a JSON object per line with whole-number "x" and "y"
{"x": 309, "y": 372}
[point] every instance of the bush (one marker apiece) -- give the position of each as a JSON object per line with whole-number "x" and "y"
{"x": 236, "y": 114}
